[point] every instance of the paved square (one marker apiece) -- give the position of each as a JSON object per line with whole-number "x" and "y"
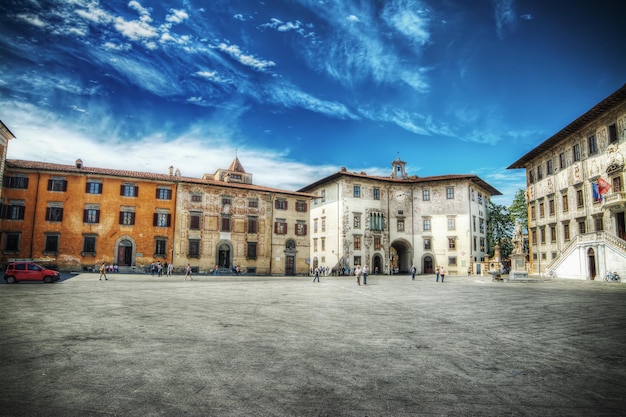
{"x": 138, "y": 345}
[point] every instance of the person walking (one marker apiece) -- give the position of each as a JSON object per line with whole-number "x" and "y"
{"x": 152, "y": 268}
{"x": 159, "y": 269}
{"x": 437, "y": 274}
{"x": 357, "y": 272}
{"x": 316, "y": 275}
{"x": 413, "y": 270}
{"x": 365, "y": 271}
{"x": 170, "y": 269}
{"x": 103, "y": 271}
{"x": 443, "y": 273}
{"x": 188, "y": 272}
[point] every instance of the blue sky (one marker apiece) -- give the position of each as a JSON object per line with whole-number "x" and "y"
{"x": 298, "y": 89}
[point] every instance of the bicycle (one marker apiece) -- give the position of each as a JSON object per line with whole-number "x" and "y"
{"x": 612, "y": 277}
{"x": 550, "y": 273}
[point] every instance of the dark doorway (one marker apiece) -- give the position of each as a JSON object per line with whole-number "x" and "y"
{"x": 591, "y": 258}
{"x": 223, "y": 256}
{"x": 621, "y": 225}
{"x": 125, "y": 253}
{"x": 290, "y": 258}
{"x": 428, "y": 265}
{"x": 377, "y": 265}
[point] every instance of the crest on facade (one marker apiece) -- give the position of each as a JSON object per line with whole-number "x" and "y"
{"x": 615, "y": 160}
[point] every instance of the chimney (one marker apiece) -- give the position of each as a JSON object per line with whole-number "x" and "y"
{"x": 79, "y": 163}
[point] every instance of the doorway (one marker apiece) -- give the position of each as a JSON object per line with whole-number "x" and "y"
{"x": 591, "y": 258}
{"x": 290, "y": 258}
{"x": 223, "y": 255}
{"x": 125, "y": 253}
{"x": 428, "y": 265}
{"x": 377, "y": 264}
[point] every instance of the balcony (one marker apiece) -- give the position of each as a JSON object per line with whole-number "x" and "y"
{"x": 615, "y": 201}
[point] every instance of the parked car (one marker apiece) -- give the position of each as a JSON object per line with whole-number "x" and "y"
{"x": 29, "y": 271}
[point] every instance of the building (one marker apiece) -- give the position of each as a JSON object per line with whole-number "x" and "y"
{"x": 575, "y": 194}
{"x": 78, "y": 217}
{"x": 392, "y": 223}
{"x": 5, "y": 136}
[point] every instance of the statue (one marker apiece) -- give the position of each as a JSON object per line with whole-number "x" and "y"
{"x": 518, "y": 239}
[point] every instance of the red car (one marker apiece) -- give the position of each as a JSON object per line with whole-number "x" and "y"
{"x": 29, "y": 271}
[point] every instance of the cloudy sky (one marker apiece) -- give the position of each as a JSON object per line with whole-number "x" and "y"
{"x": 298, "y": 89}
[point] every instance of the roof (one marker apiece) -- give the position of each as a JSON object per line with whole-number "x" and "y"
{"x": 4, "y": 127}
{"x": 414, "y": 180}
{"x": 236, "y": 166}
{"x": 597, "y": 111}
{"x": 83, "y": 170}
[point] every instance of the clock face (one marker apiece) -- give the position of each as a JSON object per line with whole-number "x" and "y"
{"x": 400, "y": 196}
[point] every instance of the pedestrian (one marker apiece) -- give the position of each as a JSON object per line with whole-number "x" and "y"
{"x": 170, "y": 269}
{"x": 357, "y": 272}
{"x": 152, "y": 268}
{"x": 316, "y": 275}
{"x": 216, "y": 270}
{"x": 413, "y": 270}
{"x": 103, "y": 271}
{"x": 159, "y": 268}
{"x": 437, "y": 274}
{"x": 365, "y": 271}
{"x": 188, "y": 272}
{"x": 442, "y": 272}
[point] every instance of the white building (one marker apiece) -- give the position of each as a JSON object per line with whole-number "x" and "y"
{"x": 574, "y": 231}
{"x": 391, "y": 223}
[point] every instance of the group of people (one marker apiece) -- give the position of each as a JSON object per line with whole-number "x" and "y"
{"x": 159, "y": 268}
{"x": 440, "y": 272}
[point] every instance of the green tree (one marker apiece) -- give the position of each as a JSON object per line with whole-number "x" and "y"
{"x": 519, "y": 209}
{"x": 500, "y": 229}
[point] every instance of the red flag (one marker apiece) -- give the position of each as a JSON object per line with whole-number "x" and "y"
{"x": 603, "y": 186}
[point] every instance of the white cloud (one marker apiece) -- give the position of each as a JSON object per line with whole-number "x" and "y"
{"x": 353, "y": 18}
{"x": 32, "y": 20}
{"x": 408, "y": 19}
{"x": 245, "y": 59}
{"x": 135, "y": 30}
{"x": 177, "y": 16}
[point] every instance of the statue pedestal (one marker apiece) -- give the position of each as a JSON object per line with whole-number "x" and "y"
{"x": 518, "y": 267}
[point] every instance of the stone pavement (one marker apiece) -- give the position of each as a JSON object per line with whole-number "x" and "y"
{"x": 138, "y": 345}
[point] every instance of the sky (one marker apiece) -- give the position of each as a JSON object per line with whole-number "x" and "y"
{"x": 298, "y": 89}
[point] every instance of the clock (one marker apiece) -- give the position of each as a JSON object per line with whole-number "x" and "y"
{"x": 400, "y": 196}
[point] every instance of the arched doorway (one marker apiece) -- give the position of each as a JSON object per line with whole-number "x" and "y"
{"x": 427, "y": 264}
{"x": 290, "y": 258}
{"x": 591, "y": 258}
{"x": 377, "y": 264}
{"x": 224, "y": 255}
{"x": 125, "y": 252}
{"x": 400, "y": 251}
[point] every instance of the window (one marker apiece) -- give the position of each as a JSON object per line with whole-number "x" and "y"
{"x": 57, "y": 184}
{"x": 357, "y": 260}
{"x": 562, "y": 160}
{"x": 400, "y": 225}
{"x": 473, "y": 195}
{"x": 612, "y": 133}
{"x": 566, "y": 231}
{"x": 315, "y": 226}
{"x": 481, "y": 225}
{"x": 549, "y": 168}
{"x": 161, "y": 219}
{"x": 474, "y": 223}
{"x": 531, "y": 176}
{"x": 357, "y": 243}
{"x": 127, "y": 218}
{"x": 452, "y": 260}
{"x": 281, "y": 204}
{"x": 129, "y": 190}
{"x": 14, "y": 211}
{"x": 377, "y": 243}
{"x": 280, "y": 227}
{"x": 426, "y": 224}
{"x": 482, "y": 244}
{"x": 89, "y": 245}
{"x": 542, "y": 211}
{"x": 592, "y": 145}
{"x": 160, "y": 246}
{"x": 426, "y": 195}
{"x": 194, "y": 220}
{"x": 93, "y": 187}
{"x": 254, "y": 203}
{"x": 253, "y": 225}
{"x": 323, "y": 196}
{"x": 194, "y": 248}
{"x": 12, "y": 242}
{"x": 542, "y": 231}
{"x": 576, "y": 152}
{"x": 323, "y": 224}
{"x": 551, "y": 207}
{"x": 582, "y": 227}
{"x": 450, "y": 193}
{"x": 533, "y": 212}
{"x": 51, "y": 244}
{"x": 54, "y": 214}
{"x": 300, "y": 228}
{"x": 15, "y": 181}
{"x": 227, "y": 201}
{"x": 377, "y": 222}
{"x": 323, "y": 244}
{"x": 225, "y": 224}
{"x": 579, "y": 198}
{"x": 91, "y": 215}
{"x": 196, "y": 198}
{"x": 451, "y": 243}
{"x": 427, "y": 245}
{"x": 617, "y": 184}
{"x": 301, "y": 206}
{"x": 357, "y": 191}
{"x": 539, "y": 172}
{"x": 315, "y": 245}
{"x": 451, "y": 224}
{"x": 357, "y": 221}
{"x": 163, "y": 193}
{"x": 564, "y": 201}
{"x": 376, "y": 193}
{"x": 480, "y": 198}
{"x": 598, "y": 223}
{"x": 534, "y": 236}
{"x": 251, "y": 250}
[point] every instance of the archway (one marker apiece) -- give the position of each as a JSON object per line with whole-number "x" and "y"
{"x": 224, "y": 254}
{"x": 290, "y": 258}
{"x": 377, "y": 264}
{"x": 591, "y": 258}
{"x": 401, "y": 252}
{"x": 124, "y": 251}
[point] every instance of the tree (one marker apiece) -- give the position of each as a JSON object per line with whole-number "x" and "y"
{"x": 500, "y": 229}
{"x": 519, "y": 209}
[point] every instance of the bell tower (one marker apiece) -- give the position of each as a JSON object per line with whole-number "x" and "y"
{"x": 398, "y": 171}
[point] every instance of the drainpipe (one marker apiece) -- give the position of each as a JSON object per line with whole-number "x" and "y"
{"x": 32, "y": 230}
